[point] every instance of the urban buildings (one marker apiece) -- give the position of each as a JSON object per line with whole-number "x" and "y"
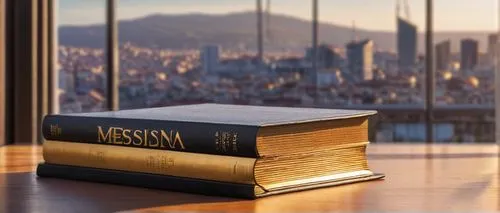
{"x": 492, "y": 47}
{"x": 328, "y": 57}
{"x": 210, "y": 58}
{"x": 443, "y": 55}
{"x": 469, "y": 54}
{"x": 328, "y": 78}
{"x": 406, "y": 44}
{"x": 360, "y": 59}
{"x": 151, "y": 77}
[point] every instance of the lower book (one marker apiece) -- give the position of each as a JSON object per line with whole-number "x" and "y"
{"x": 270, "y": 173}
{"x": 183, "y": 184}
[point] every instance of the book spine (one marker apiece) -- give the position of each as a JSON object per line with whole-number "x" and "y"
{"x": 164, "y": 182}
{"x": 161, "y": 162}
{"x": 218, "y": 139}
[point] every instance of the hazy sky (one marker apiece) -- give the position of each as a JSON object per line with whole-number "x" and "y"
{"x": 368, "y": 14}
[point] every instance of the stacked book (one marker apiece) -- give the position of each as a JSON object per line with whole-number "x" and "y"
{"x": 227, "y": 150}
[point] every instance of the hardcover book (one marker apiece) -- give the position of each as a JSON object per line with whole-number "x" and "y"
{"x": 188, "y": 185}
{"x": 245, "y": 131}
{"x": 270, "y": 173}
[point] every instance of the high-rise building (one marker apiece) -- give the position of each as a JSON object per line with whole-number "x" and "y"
{"x": 406, "y": 44}
{"x": 328, "y": 57}
{"x": 67, "y": 81}
{"x": 492, "y": 48}
{"x": 469, "y": 54}
{"x": 443, "y": 55}
{"x": 360, "y": 59}
{"x": 209, "y": 56}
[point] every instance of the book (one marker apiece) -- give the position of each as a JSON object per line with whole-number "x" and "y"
{"x": 269, "y": 173}
{"x": 233, "y": 130}
{"x": 172, "y": 183}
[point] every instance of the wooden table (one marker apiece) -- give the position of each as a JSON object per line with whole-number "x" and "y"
{"x": 419, "y": 178}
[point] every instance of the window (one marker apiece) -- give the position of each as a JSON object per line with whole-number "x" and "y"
{"x": 369, "y": 55}
{"x": 81, "y": 55}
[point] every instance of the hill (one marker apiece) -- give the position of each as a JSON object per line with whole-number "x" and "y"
{"x": 236, "y": 30}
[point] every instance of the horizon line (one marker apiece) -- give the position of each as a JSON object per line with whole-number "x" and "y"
{"x": 272, "y": 14}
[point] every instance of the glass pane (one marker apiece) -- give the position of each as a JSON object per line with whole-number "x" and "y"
{"x": 464, "y": 52}
{"x": 371, "y": 55}
{"x": 464, "y": 59}
{"x": 170, "y": 50}
{"x": 81, "y": 58}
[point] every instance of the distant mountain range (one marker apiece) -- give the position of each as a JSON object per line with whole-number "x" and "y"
{"x": 237, "y": 30}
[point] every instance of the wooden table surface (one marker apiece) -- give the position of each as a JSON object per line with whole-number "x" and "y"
{"x": 437, "y": 178}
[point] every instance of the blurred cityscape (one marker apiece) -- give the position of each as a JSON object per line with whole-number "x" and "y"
{"x": 357, "y": 72}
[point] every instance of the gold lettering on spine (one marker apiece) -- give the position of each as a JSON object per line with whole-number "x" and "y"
{"x": 167, "y": 137}
{"x": 137, "y": 136}
{"x": 235, "y": 142}
{"x": 159, "y": 162}
{"x": 226, "y": 141}
{"x": 96, "y": 155}
{"x": 179, "y": 140}
{"x": 103, "y": 138}
{"x": 156, "y": 143}
{"x": 117, "y": 135}
{"x": 126, "y": 135}
{"x": 144, "y": 137}
{"x": 172, "y": 141}
{"x": 55, "y": 130}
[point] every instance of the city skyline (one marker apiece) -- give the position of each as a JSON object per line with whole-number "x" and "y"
{"x": 481, "y": 16}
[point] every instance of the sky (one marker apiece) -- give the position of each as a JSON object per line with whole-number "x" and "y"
{"x": 450, "y": 15}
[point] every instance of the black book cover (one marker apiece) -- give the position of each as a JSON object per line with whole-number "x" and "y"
{"x": 202, "y": 128}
